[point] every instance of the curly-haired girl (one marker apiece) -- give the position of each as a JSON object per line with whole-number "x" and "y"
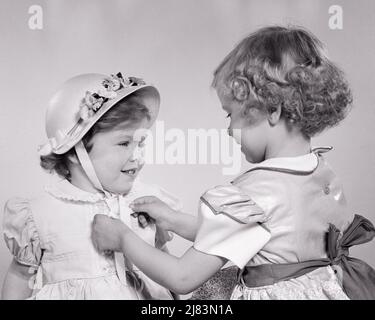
{"x": 284, "y": 222}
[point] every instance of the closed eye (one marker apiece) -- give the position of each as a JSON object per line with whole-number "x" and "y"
{"x": 124, "y": 144}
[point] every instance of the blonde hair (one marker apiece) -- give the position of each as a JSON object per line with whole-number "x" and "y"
{"x": 287, "y": 67}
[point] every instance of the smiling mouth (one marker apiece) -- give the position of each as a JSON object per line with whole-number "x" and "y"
{"x": 130, "y": 172}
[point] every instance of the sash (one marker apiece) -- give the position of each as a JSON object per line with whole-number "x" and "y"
{"x": 358, "y": 277}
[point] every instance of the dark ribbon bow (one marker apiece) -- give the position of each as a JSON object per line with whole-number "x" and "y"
{"x": 358, "y": 277}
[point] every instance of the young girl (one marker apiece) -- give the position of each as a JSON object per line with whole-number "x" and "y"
{"x": 95, "y": 125}
{"x": 284, "y": 222}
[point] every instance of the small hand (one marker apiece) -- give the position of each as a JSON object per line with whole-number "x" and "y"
{"x": 158, "y": 210}
{"x": 107, "y": 233}
{"x": 143, "y": 219}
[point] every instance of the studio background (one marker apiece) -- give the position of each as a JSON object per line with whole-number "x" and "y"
{"x": 176, "y": 45}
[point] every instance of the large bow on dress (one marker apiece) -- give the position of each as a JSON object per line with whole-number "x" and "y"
{"x": 358, "y": 276}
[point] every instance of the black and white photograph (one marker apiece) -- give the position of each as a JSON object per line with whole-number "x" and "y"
{"x": 194, "y": 152}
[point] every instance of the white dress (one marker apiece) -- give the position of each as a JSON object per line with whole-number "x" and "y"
{"x": 53, "y": 232}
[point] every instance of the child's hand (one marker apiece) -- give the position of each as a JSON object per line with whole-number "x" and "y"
{"x": 158, "y": 210}
{"x": 143, "y": 219}
{"x": 107, "y": 233}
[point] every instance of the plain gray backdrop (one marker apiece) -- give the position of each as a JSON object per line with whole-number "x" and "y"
{"x": 176, "y": 44}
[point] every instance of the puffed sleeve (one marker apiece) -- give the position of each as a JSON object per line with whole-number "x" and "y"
{"x": 162, "y": 236}
{"x": 20, "y": 234}
{"x": 230, "y": 225}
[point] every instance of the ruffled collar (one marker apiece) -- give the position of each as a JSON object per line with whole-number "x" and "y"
{"x": 64, "y": 190}
{"x": 305, "y": 164}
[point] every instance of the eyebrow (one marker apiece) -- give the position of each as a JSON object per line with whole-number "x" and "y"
{"x": 123, "y": 136}
{"x": 130, "y": 137}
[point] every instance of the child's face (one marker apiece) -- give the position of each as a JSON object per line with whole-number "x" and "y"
{"x": 117, "y": 156}
{"x": 249, "y": 130}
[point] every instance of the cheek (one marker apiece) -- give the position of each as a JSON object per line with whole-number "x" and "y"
{"x": 251, "y": 138}
{"x": 233, "y": 127}
{"x": 237, "y": 135}
{"x": 107, "y": 161}
{"x": 234, "y": 124}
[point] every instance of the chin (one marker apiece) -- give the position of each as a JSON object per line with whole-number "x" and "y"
{"x": 252, "y": 159}
{"x": 123, "y": 189}
{"x": 248, "y": 157}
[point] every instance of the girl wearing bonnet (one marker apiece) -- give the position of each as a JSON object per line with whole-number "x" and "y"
{"x": 96, "y": 128}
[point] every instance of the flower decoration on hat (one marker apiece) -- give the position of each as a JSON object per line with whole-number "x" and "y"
{"x": 93, "y": 101}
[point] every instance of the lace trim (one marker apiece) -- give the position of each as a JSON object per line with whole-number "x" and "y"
{"x": 64, "y": 190}
{"x": 310, "y": 289}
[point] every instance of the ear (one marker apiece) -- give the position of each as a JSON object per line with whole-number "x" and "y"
{"x": 245, "y": 109}
{"x": 274, "y": 115}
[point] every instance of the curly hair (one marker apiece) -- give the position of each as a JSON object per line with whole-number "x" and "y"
{"x": 287, "y": 67}
{"x": 130, "y": 109}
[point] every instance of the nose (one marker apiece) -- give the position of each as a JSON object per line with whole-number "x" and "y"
{"x": 230, "y": 132}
